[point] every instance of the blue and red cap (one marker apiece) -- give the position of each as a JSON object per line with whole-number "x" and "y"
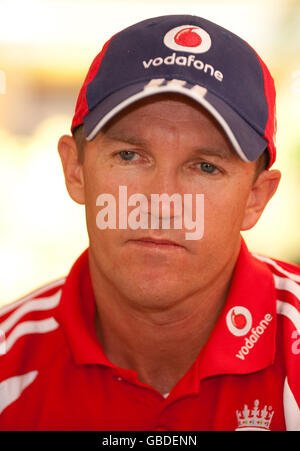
{"x": 188, "y": 55}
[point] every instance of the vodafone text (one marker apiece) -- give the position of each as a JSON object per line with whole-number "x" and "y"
{"x": 185, "y": 61}
{"x": 256, "y": 333}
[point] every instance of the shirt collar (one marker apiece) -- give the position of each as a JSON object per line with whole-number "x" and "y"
{"x": 242, "y": 341}
{"x": 77, "y": 314}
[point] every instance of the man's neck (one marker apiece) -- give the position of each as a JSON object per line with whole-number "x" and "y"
{"x": 160, "y": 345}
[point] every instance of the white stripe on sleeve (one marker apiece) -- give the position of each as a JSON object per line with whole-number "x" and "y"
{"x": 11, "y": 305}
{"x": 275, "y": 265}
{"x": 282, "y": 283}
{"x": 12, "y": 388}
{"x": 39, "y": 304}
{"x": 291, "y": 409}
{"x": 30, "y": 327}
{"x": 288, "y": 310}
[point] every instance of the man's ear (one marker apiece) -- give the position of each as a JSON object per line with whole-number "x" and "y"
{"x": 262, "y": 190}
{"x": 72, "y": 168}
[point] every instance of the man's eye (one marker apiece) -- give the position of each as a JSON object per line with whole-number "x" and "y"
{"x": 127, "y": 155}
{"x": 208, "y": 168}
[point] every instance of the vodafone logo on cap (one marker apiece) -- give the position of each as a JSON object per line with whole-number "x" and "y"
{"x": 188, "y": 38}
{"x": 239, "y": 321}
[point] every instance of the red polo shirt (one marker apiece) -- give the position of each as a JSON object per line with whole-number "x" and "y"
{"x": 54, "y": 374}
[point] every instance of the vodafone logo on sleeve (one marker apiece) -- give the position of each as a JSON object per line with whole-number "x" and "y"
{"x": 188, "y": 38}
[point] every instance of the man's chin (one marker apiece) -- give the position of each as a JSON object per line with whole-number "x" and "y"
{"x": 152, "y": 292}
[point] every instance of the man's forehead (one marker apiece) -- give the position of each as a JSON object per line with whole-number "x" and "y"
{"x": 132, "y": 124}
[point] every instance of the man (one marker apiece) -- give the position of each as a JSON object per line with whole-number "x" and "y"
{"x": 155, "y": 329}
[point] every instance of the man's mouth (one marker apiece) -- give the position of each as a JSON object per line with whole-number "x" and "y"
{"x": 156, "y": 242}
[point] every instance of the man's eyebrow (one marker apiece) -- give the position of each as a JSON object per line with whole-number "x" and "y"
{"x": 120, "y": 137}
{"x": 223, "y": 153}
{"x": 220, "y": 152}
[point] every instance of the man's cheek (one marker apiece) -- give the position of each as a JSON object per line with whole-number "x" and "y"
{"x": 221, "y": 219}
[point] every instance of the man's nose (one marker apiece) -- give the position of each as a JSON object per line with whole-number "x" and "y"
{"x": 163, "y": 193}
{"x": 164, "y": 179}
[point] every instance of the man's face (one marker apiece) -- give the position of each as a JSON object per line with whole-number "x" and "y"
{"x": 165, "y": 144}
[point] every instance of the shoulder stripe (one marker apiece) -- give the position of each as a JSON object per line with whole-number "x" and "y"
{"x": 39, "y": 304}
{"x": 291, "y": 409}
{"x": 30, "y": 327}
{"x": 291, "y": 275}
{"x": 12, "y": 305}
{"x": 282, "y": 283}
{"x": 12, "y": 388}
{"x": 288, "y": 310}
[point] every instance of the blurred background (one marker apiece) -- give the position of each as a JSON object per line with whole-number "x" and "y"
{"x": 46, "y": 47}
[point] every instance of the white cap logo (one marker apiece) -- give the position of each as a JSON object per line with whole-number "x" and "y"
{"x": 239, "y": 321}
{"x": 188, "y": 38}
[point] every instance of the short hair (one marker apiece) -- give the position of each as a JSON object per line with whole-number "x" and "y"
{"x": 262, "y": 163}
{"x": 78, "y": 133}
